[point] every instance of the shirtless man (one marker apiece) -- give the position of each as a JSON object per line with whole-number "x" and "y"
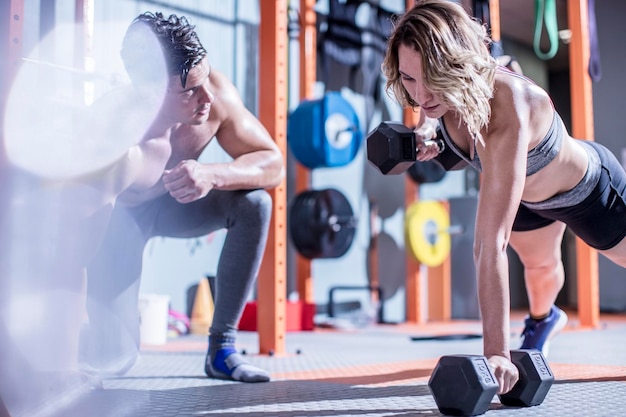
{"x": 190, "y": 199}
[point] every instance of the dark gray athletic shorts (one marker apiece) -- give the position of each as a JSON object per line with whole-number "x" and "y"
{"x": 595, "y": 210}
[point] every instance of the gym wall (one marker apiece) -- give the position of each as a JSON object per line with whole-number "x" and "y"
{"x": 172, "y": 265}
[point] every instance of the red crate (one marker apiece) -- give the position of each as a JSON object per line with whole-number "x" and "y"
{"x": 299, "y": 316}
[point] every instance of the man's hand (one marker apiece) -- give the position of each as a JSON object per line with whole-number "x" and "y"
{"x": 188, "y": 181}
{"x": 505, "y": 372}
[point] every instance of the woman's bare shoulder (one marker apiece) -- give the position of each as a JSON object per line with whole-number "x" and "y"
{"x": 518, "y": 89}
{"x": 520, "y": 109}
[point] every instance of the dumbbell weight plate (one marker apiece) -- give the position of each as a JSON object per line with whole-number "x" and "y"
{"x": 463, "y": 385}
{"x": 535, "y": 381}
{"x": 391, "y": 148}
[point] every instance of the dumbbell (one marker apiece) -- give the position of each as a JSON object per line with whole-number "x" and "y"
{"x": 464, "y": 385}
{"x": 392, "y": 148}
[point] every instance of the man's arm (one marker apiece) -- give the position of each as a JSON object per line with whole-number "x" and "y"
{"x": 257, "y": 159}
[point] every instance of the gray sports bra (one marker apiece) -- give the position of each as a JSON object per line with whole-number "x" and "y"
{"x": 538, "y": 157}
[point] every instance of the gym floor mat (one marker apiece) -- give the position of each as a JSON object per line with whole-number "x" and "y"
{"x": 374, "y": 371}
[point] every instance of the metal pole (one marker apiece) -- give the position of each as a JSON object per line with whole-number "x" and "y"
{"x": 308, "y": 61}
{"x": 582, "y": 127}
{"x": 273, "y": 88}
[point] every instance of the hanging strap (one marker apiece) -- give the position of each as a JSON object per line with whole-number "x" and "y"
{"x": 595, "y": 69}
{"x": 545, "y": 12}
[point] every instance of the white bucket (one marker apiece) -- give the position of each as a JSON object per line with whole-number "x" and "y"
{"x": 153, "y": 315}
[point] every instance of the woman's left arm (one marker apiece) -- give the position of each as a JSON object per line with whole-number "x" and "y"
{"x": 503, "y": 160}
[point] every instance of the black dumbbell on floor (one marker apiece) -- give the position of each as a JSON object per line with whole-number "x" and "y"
{"x": 464, "y": 385}
{"x": 392, "y": 148}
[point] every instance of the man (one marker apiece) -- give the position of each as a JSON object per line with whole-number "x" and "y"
{"x": 190, "y": 199}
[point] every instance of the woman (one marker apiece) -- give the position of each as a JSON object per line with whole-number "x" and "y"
{"x": 535, "y": 180}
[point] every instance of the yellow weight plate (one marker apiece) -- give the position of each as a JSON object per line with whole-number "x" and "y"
{"x": 426, "y": 230}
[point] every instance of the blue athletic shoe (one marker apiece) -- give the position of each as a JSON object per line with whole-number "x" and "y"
{"x": 537, "y": 333}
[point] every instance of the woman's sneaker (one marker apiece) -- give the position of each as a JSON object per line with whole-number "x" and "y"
{"x": 537, "y": 333}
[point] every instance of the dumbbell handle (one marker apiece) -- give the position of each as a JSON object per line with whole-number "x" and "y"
{"x": 441, "y": 145}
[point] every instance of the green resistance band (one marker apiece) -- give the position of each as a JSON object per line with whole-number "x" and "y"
{"x": 546, "y": 12}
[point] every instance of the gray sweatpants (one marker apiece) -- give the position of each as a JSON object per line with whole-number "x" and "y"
{"x": 111, "y": 341}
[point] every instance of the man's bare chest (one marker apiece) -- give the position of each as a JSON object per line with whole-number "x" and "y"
{"x": 188, "y": 142}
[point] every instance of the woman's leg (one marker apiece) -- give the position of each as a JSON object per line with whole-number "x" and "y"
{"x": 540, "y": 253}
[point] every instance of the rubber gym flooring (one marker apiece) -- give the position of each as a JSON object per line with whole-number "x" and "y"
{"x": 372, "y": 371}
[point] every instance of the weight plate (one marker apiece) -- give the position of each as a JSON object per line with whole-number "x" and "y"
{"x": 427, "y": 234}
{"x": 322, "y": 223}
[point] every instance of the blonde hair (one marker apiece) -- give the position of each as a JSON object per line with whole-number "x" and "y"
{"x": 456, "y": 62}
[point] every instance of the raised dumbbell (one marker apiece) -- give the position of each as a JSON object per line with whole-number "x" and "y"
{"x": 464, "y": 385}
{"x": 392, "y": 148}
